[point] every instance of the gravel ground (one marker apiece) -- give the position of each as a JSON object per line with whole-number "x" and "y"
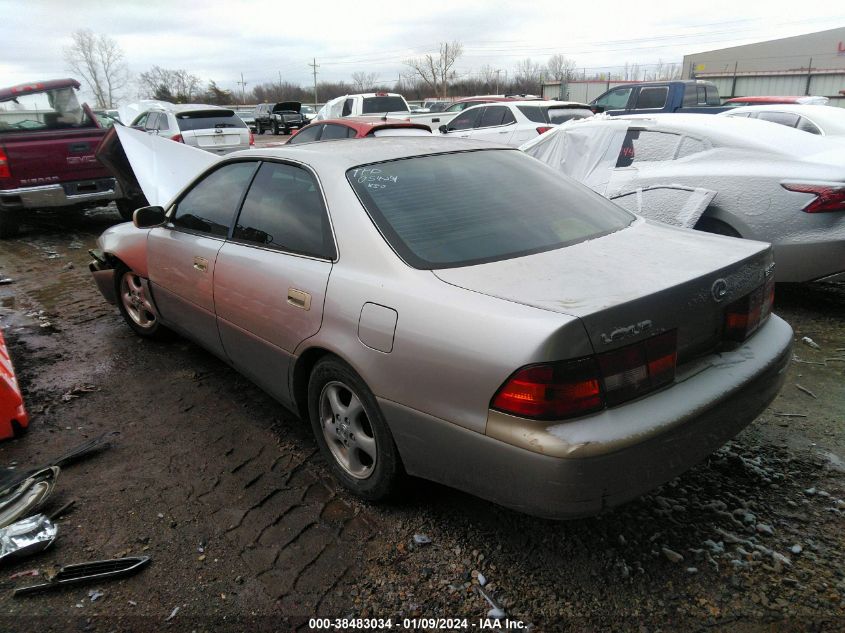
{"x": 223, "y": 488}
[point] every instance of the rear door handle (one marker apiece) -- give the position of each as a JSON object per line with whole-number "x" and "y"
{"x": 299, "y": 299}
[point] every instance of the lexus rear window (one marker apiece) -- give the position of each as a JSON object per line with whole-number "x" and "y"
{"x": 207, "y": 120}
{"x": 466, "y": 208}
{"x": 374, "y": 105}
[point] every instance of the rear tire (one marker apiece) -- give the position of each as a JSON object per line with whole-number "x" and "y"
{"x": 351, "y": 431}
{"x": 9, "y": 224}
{"x": 275, "y": 128}
{"x": 258, "y": 128}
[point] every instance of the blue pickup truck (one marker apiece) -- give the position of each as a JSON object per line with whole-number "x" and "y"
{"x": 660, "y": 96}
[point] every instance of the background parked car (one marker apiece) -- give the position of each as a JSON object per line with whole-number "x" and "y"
{"x": 435, "y": 118}
{"x": 373, "y": 103}
{"x": 471, "y": 332}
{"x": 512, "y": 122}
{"x": 771, "y": 183}
{"x": 47, "y": 143}
{"x": 357, "y": 127}
{"x": 279, "y": 117}
{"x": 308, "y": 112}
{"x": 737, "y": 102}
{"x": 815, "y": 119}
{"x": 682, "y": 96}
{"x": 210, "y": 128}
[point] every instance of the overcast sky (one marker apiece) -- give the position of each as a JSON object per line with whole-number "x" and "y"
{"x": 219, "y": 40}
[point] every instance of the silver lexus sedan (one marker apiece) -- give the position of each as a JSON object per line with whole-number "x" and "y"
{"x": 457, "y": 311}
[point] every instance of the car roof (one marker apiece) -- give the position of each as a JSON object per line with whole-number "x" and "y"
{"x": 727, "y": 131}
{"x": 342, "y": 154}
{"x": 783, "y": 100}
{"x": 35, "y": 87}
{"x": 362, "y": 123}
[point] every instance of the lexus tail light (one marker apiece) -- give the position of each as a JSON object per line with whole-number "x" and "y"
{"x": 828, "y": 197}
{"x": 178, "y": 138}
{"x": 543, "y": 128}
{"x": 565, "y": 389}
{"x": 744, "y": 316}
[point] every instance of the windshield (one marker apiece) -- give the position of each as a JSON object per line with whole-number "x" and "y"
{"x": 467, "y": 208}
{"x": 374, "y": 105}
{"x": 208, "y": 119}
{"x": 49, "y": 110}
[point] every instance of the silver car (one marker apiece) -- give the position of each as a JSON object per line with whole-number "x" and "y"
{"x": 457, "y": 311}
{"x": 210, "y": 128}
{"x": 770, "y": 182}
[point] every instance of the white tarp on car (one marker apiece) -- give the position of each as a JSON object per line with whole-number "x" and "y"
{"x": 162, "y": 167}
{"x": 589, "y": 156}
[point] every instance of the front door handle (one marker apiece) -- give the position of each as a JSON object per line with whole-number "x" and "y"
{"x": 201, "y": 264}
{"x": 299, "y": 299}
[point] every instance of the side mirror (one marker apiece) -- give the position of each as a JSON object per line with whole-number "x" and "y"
{"x": 597, "y": 109}
{"x": 443, "y": 129}
{"x": 148, "y": 217}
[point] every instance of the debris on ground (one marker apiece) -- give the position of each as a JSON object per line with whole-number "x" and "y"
{"x": 6, "y": 280}
{"x": 95, "y": 594}
{"x": 805, "y": 390}
{"x": 810, "y": 342}
{"x": 421, "y": 539}
{"x": 23, "y": 498}
{"x": 85, "y": 572}
{"x": 27, "y": 537}
{"x": 172, "y": 614}
{"x": 78, "y": 392}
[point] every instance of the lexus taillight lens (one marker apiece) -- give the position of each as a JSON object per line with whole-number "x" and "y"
{"x": 744, "y": 316}
{"x": 543, "y": 128}
{"x": 178, "y": 138}
{"x": 828, "y": 197}
{"x": 251, "y": 138}
{"x": 637, "y": 369}
{"x": 5, "y": 172}
{"x": 565, "y": 389}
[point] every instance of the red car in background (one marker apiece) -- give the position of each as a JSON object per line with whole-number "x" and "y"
{"x": 47, "y": 143}
{"x": 357, "y": 127}
{"x": 748, "y": 101}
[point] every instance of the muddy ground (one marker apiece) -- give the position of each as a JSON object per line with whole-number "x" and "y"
{"x": 223, "y": 488}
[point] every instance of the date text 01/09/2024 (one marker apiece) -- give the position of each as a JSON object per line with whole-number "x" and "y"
{"x": 387, "y": 624}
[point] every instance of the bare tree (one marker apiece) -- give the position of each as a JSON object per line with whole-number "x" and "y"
{"x": 99, "y": 61}
{"x": 169, "y": 85}
{"x": 436, "y": 70}
{"x": 528, "y": 76}
{"x": 364, "y": 82}
{"x": 561, "y": 68}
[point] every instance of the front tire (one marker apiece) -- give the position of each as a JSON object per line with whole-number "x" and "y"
{"x": 258, "y": 128}
{"x": 351, "y": 431}
{"x": 275, "y": 128}
{"x": 136, "y": 306}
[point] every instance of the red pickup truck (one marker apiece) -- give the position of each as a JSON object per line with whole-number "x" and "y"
{"x": 47, "y": 143}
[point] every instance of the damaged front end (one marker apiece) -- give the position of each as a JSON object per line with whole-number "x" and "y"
{"x": 102, "y": 269}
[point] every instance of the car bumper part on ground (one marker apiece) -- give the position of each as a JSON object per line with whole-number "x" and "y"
{"x": 61, "y": 195}
{"x": 585, "y": 466}
{"x": 13, "y": 415}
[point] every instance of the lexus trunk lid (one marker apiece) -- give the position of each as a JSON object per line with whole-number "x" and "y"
{"x": 632, "y": 284}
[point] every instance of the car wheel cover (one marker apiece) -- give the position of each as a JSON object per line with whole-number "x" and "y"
{"x": 133, "y": 296}
{"x": 347, "y": 430}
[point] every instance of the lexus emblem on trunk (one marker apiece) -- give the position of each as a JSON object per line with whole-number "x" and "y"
{"x": 719, "y": 289}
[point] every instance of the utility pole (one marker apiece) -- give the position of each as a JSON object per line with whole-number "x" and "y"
{"x": 280, "y": 84}
{"x": 242, "y": 84}
{"x": 314, "y": 67}
{"x": 496, "y": 91}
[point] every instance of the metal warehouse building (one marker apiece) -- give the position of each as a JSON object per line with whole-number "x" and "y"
{"x": 811, "y": 64}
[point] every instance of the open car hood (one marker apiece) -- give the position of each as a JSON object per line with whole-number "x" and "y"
{"x": 288, "y": 106}
{"x": 157, "y": 167}
{"x": 13, "y": 92}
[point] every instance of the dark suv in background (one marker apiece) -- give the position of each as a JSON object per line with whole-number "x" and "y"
{"x": 279, "y": 116}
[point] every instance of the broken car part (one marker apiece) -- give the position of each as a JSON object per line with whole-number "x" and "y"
{"x": 85, "y": 572}
{"x": 27, "y": 537}
{"x": 11, "y": 478}
{"x": 25, "y": 498}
